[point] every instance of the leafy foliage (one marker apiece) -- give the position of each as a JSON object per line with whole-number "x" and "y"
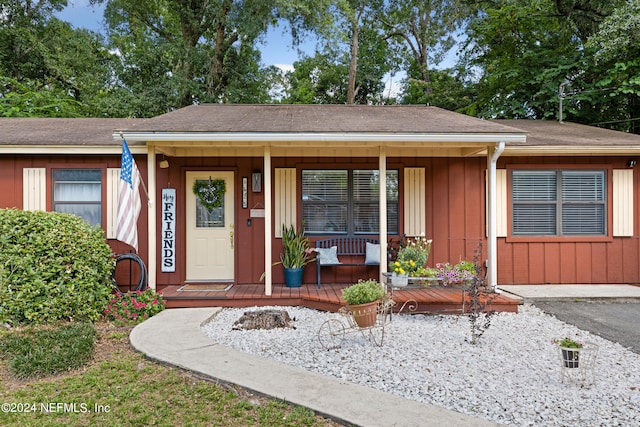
{"x": 296, "y": 248}
{"x": 567, "y": 343}
{"x": 363, "y": 292}
{"x": 52, "y": 266}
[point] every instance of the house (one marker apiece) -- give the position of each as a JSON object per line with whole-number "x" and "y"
{"x": 550, "y": 202}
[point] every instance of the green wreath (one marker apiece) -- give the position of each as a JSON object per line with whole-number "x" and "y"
{"x": 210, "y": 193}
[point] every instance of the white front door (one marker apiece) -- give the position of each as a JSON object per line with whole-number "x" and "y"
{"x": 210, "y": 233}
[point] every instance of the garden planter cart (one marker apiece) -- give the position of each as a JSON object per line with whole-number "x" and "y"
{"x": 333, "y": 331}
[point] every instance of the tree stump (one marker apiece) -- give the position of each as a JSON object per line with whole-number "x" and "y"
{"x": 263, "y": 319}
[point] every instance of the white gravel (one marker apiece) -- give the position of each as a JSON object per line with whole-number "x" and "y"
{"x": 512, "y": 376}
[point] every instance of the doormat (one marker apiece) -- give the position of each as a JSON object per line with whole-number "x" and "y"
{"x": 206, "y": 287}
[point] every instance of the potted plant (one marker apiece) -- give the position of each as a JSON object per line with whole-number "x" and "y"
{"x": 570, "y": 351}
{"x": 363, "y": 298}
{"x": 296, "y": 254}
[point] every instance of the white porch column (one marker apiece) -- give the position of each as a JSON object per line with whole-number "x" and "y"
{"x": 151, "y": 221}
{"x": 492, "y": 242}
{"x": 383, "y": 211}
{"x": 268, "y": 219}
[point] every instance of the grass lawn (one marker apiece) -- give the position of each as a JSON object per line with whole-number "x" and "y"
{"x": 119, "y": 387}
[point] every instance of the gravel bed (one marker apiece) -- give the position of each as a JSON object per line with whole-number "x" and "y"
{"x": 511, "y": 376}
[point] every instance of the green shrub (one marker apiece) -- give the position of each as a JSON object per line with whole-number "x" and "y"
{"x": 134, "y": 307}
{"x": 53, "y": 266}
{"x": 363, "y": 292}
{"x": 39, "y": 352}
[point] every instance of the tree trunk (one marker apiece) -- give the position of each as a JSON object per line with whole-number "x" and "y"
{"x": 353, "y": 64}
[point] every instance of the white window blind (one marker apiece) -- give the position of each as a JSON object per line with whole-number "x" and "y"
{"x": 347, "y": 201}
{"x": 554, "y": 202}
{"x": 79, "y": 192}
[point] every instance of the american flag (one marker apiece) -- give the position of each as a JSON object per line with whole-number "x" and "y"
{"x": 128, "y": 199}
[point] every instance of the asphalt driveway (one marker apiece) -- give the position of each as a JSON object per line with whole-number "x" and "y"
{"x": 614, "y": 321}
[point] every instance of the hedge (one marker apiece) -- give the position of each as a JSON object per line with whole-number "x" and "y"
{"x": 53, "y": 267}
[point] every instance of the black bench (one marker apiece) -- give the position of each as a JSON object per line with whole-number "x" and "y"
{"x": 345, "y": 246}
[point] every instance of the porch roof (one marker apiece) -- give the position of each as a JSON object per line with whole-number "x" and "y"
{"x": 303, "y": 118}
{"x": 318, "y": 131}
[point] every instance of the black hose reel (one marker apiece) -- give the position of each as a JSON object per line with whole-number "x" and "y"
{"x": 142, "y": 282}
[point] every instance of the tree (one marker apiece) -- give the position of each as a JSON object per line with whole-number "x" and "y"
{"x": 423, "y": 31}
{"x": 46, "y": 67}
{"x": 617, "y": 45}
{"x": 529, "y": 55}
{"x": 324, "y": 78}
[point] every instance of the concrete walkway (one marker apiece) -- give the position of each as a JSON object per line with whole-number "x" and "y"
{"x": 609, "y": 293}
{"x": 174, "y": 337}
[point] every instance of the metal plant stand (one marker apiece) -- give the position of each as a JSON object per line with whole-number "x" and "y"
{"x": 578, "y": 364}
{"x": 411, "y": 305}
{"x": 332, "y": 332}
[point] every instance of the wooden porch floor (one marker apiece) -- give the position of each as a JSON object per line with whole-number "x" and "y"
{"x": 328, "y": 298}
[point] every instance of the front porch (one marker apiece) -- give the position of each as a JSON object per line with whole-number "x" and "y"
{"x": 328, "y": 298}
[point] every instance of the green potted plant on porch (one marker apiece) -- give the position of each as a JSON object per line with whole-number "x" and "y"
{"x": 296, "y": 254}
{"x": 362, "y": 299}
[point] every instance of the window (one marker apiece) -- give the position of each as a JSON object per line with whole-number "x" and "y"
{"x": 347, "y": 201}
{"x": 559, "y": 202}
{"x": 79, "y": 192}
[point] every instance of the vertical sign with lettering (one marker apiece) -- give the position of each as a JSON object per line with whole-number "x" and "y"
{"x": 168, "y": 230}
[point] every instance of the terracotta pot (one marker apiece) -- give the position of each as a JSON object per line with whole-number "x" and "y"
{"x": 365, "y": 314}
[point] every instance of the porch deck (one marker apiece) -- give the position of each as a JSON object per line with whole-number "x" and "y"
{"x": 328, "y": 298}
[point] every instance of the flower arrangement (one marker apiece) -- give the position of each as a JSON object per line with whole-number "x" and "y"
{"x": 412, "y": 257}
{"x": 567, "y": 343}
{"x": 453, "y": 274}
{"x": 134, "y": 307}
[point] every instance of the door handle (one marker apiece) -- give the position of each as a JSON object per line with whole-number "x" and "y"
{"x": 231, "y": 234}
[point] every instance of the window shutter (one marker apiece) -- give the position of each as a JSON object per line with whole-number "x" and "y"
{"x": 501, "y": 201}
{"x": 623, "y": 202}
{"x": 285, "y": 199}
{"x": 113, "y": 185}
{"x": 415, "y": 216}
{"x": 34, "y": 189}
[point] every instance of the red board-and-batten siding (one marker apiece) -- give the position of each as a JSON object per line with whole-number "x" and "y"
{"x": 454, "y": 204}
{"x": 610, "y": 259}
